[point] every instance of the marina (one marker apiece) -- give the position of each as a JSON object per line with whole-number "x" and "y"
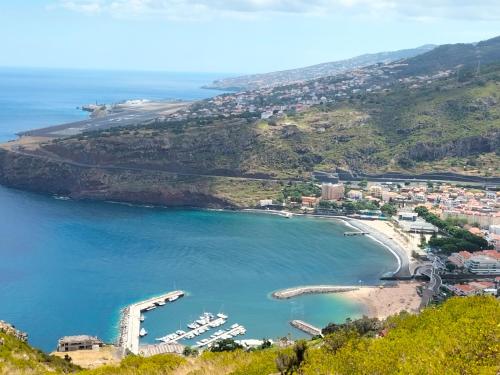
{"x": 130, "y": 325}
{"x": 202, "y": 325}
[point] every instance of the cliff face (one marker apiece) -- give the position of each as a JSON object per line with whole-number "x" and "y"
{"x": 462, "y": 147}
{"x": 37, "y": 174}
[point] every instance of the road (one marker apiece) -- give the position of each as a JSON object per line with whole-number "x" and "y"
{"x": 435, "y": 282}
{"x": 15, "y": 149}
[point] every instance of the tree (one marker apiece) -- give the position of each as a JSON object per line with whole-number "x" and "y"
{"x": 389, "y": 209}
{"x": 285, "y": 363}
{"x": 423, "y": 241}
{"x": 300, "y": 349}
{"x": 265, "y": 344}
{"x": 363, "y": 184}
{"x": 226, "y": 345}
{"x": 190, "y": 352}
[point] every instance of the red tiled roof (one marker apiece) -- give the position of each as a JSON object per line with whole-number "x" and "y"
{"x": 464, "y": 254}
{"x": 464, "y": 288}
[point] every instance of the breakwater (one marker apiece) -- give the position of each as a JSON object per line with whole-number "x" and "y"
{"x": 313, "y": 289}
{"x": 130, "y": 323}
{"x": 306, "y": 327}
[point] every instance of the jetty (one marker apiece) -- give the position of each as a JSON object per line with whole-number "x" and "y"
{"x": 313, "y": 289}
{"x": 306, "y": 327}
{"x": 130, "y": 323}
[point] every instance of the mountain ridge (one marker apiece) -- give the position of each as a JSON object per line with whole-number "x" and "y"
{"x": 253, "y": 81}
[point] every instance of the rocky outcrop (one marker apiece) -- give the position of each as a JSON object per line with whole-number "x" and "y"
{"x": 38, "y": 174}
{"x": 462, "y": 147}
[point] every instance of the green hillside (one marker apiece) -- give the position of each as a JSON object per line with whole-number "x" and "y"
{"x": 17, "y": 357}
{"x": 451, "y": 56}
{"x": 443, "y": 126}
{"x": 462, "y": 336}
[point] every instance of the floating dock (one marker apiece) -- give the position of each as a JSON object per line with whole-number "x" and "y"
{"x": 314, "y": 289}
{"x": 236, "y": 329}
{"x": 130, "y": 324}
{"x": 306, "y": 327}
{"x": 211, "y": 324}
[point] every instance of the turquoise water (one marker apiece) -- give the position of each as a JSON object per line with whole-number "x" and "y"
{"x": 69, "y": 267}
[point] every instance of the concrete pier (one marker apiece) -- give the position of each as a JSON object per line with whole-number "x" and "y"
{"x": 306, "y": 327}
{"x": 313, "y": 289}
{"x": 130, "y": 323}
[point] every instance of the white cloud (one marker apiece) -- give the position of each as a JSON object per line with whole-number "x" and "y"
{"x": 420, "y": 10}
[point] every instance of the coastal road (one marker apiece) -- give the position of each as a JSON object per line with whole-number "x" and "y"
{"x": 432, "y": 288}
{"x": 17, "y": 150}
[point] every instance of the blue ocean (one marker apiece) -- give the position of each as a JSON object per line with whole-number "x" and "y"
{"x": 69, "y": 267}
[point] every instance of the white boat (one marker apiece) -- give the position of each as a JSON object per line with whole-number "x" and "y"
{"x": 173, "y": 298}
{"x": 142, "y": 318}
{"x": 143, "y": 332}
{"x": 235, "y": 325}
{"x": 151, "y": 308}
{"x": 180, "y": 332}
{"x": 192, "y": 325}
{"x": 222, "y": 316}
{"x": 161, "y": 303}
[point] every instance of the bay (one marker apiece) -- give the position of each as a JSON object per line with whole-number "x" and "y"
{"x": 69, "y": 267}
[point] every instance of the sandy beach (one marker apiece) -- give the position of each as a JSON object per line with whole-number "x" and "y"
{"x": 383, "y": 302}
{"x": 408, "y": 241}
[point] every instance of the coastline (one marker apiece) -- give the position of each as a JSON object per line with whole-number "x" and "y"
{"x": 386, "y": 237}
{"x": 382, "y": 302}
{"x": 375, "y": 301}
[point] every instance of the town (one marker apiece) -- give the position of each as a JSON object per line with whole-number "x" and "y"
{"x": 451, "y": 232}
{"x": 276, "y": 101}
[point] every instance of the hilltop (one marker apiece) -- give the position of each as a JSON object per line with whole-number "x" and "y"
{"x": 284, "y": 77}
{"x": 460, "y": 336}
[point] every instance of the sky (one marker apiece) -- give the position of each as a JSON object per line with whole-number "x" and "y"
{"x": 233, "y": 36}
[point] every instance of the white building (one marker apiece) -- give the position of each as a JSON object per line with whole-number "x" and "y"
{"x": 265, "y": 202}
{"x": 355, "y": 194}
{"x": 483, "y": 264}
